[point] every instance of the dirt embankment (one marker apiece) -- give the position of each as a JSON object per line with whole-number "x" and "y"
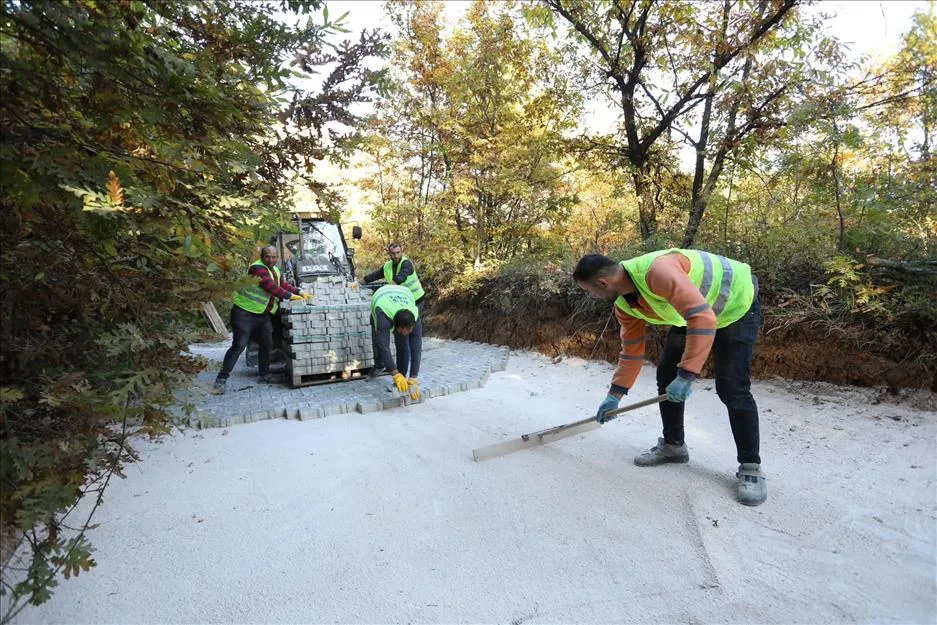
{"x": 563, "y": 325}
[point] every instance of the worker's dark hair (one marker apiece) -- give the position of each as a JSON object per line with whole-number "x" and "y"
{"x": 404, "y": 319}
{"x": 394, "y": 244}
{"x": 593, "y": 266}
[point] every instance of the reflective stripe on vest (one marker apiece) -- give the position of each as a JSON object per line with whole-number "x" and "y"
{"x": 391, "y": 299}
{"x": 412, "y": 282}
{"x": 254, "y": 299}
{"x": 725, "y": 284}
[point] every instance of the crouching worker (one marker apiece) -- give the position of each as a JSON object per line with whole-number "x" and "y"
{"x": 394, "y": 311}
{"x": 711, "y": 303}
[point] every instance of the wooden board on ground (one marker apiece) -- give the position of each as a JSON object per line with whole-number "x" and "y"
{"x": 535, "y": 439}
{"x": 214, "y": 319}
{"x": 530, "y": 440}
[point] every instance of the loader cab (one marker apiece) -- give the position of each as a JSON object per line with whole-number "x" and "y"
{"x": 317, "y": 248}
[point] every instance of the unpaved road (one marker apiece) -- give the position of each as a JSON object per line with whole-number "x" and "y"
{"x": 384, "y": 517}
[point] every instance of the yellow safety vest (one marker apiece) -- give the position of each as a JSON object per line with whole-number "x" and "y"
{"x": 391, "y": 299}
{"x": 254, "y": 299}
{"x": 726, "y": 285}
{"x": 412, "y": 282}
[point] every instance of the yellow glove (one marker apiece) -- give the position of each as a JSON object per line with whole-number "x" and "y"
{"x": 305, "y": 295}
{"x": 401, "y": 382}
{"x": 296, "y": 298}
{"x": 414, "y": 389}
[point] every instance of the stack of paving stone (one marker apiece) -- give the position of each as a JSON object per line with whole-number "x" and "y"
{"x": 330, "y": 335}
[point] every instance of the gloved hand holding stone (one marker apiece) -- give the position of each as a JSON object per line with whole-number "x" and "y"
{"x": 609, "y": 403}
{"x": 414, "y": 389}
{"x": 680, "y": 389}
{"x": 401, "y": 382}
{"x": 305, "y": 295}
{"x": 296, "y": 298}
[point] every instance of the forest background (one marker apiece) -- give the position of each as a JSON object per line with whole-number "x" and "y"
{"x": 148, "y": 147}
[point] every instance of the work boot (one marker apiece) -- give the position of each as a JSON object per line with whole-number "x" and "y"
{"x": 269, "y": 378}
{"x": 375, "y": 372}
{"x": 662, "y": 453}
{"x": 220, "y": 386}
{"x": 753, "y": 489}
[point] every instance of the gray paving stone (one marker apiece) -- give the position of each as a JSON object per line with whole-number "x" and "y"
{"x": 368, "y": 406}
{"x": 448, "y": 367}
{"x": 394, "y": 402}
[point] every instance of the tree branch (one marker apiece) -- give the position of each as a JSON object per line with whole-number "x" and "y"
{"x": 719, "y": 62}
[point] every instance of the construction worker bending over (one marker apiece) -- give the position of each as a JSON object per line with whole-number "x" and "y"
{"x": 251, "y": 315}
{"x": 394, "y": 311}
{"x": 711, "y": 303}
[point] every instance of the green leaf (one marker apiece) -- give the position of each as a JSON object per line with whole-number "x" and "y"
{"x": 9, "y": 396}
{"x": 181, "y": 104}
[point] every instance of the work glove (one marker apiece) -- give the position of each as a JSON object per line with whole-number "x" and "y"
{"x": 296, "y": 298}
{"x": 401, "y": 382}
{"x": 609, "y": 403}
{"x": 305, "y": 295}
{"x": 679, "y": 390}
{"x": 414, "y": 389}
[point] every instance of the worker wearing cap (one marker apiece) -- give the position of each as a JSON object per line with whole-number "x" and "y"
{"x": 711, "y": 303}
{"x": 394, "y": 311}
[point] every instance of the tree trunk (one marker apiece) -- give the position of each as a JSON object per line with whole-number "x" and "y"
{"x": 725, "y": 222}
{"x": 698, "y": 199}
{"x": 480, "y": 218}
{"x": 927, "y": 78}
{"x": 647, "y": 209}
{"x": 834, "y": 168}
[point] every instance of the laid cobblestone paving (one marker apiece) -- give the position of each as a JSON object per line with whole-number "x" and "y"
{"x": 447, "y": 367}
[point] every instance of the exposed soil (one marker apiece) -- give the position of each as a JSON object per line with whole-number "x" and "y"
{"x": 794, "y": 354}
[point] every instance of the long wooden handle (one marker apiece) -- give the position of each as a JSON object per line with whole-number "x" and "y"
{"x": 639, "y": 404}
{"x": 610, "y": 413}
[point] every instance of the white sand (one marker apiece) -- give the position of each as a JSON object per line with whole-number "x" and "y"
{"x": 385, "y": 518}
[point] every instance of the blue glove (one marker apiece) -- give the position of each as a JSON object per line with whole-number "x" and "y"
{"x": 679, "y": 390}
{"x": 610, "y": 403}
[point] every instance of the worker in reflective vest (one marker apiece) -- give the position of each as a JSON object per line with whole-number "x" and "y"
{"x": 711, "y": 304}
{"x": 251, "y": 314}
{"x": 399, "y": 270}
{"x": 394, "y": 311}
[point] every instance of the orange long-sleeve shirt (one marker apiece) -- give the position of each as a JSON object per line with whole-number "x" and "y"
{"x": 668, "y": 276}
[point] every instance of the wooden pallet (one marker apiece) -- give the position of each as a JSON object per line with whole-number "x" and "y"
{"x": 311, "y": 379}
